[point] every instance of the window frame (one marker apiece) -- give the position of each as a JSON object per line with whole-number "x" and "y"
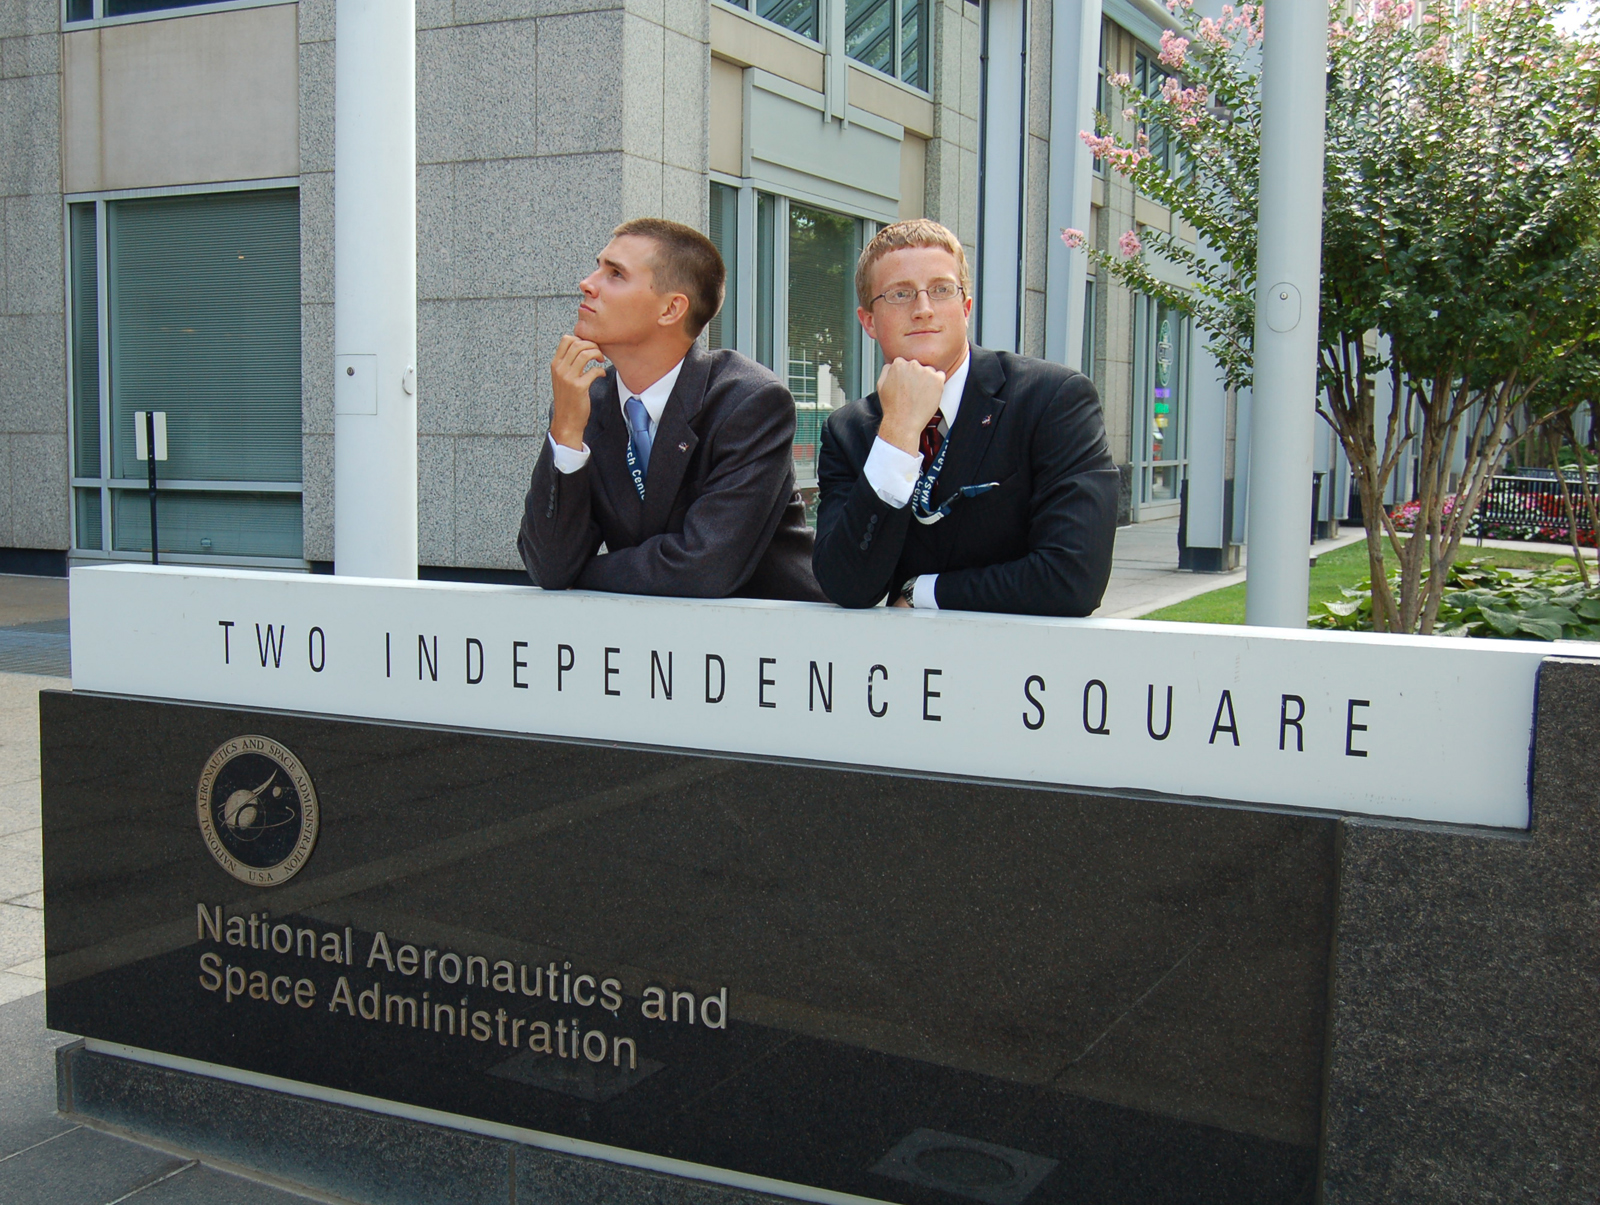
{"x": 105, "y": 482}
{"x": 748, "y": 271}
{"x": 830, "y": 12}
{"x": 160, "y": 14}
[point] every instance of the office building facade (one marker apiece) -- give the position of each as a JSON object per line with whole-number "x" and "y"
{"x": 168, "y": 218}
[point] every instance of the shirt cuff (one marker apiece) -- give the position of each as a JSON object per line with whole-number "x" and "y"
{"x": 922, "y": 592}
{"x": 891, "y": 473}
{"x": 569, "y": 460}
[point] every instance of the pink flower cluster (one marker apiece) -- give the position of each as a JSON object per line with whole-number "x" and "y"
{"x": 1074, "y": 239}
{"x": 1174, "y": 48}
{"x": 1437, "y": 55}
{"x": 1391, "y": 14}
{"x": 1130, "y": 244}
{"x": 1123, "y": 159}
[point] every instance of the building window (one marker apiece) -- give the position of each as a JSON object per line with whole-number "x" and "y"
{"x": 890, "y": 36}
{"x": 799, "y": 16}
{"x": 887, "y": 35}
{"x": 1148, "y": 78}
{"x": 1161, "y": 404}
{"x": 1086, "y": 357}
{"x": 794, "y": 274}
{"x": 96, "y": 10}
{"x": 189, "y": 305}
{"x": 723, "y": 329}
{"x": 825, "y": 337}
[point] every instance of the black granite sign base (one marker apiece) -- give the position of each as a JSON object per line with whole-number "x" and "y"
{"x": 907, "y": 989}
{"x": 1464, "y": 1057}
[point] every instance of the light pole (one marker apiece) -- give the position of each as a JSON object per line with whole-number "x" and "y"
{"x": 1288, "y": 285}
{"x": 375, "y": 290}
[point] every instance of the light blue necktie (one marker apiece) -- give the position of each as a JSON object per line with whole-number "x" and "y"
{"x": 638, "y": 431}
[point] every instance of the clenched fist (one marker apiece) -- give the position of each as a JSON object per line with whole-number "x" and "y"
{"x": 576, "y": 365}
{"x": 910, "y": 394}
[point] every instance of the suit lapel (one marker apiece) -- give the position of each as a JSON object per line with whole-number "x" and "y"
{"x": 674, "y": 443}
{"x": 975, "y": 425}
{"x": 608, "y": 445}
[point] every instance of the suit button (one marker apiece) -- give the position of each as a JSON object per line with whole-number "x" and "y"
{"x": 864, "y": 544}
{"x": 872, "y": 520}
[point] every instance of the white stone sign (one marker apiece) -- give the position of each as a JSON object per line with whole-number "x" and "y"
{"x": 1421, "y": 728}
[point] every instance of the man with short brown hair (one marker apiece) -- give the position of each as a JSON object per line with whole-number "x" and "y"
{"x": 679, "y": 460}
{"x": 970, "y": 480}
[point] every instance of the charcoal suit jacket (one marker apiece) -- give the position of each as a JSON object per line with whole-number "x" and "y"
{"x": 1037, "y": 544}
{"x": 720, "y": 514}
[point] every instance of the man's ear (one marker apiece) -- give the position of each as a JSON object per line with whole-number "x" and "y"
{"x": 864, "y": 316}
{"x": 675, "y": 311}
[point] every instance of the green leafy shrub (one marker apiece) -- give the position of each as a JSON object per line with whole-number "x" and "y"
{"x": 1482, "y": 600}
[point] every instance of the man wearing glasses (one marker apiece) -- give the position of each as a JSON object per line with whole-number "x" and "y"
{"x": 971, "y": 480}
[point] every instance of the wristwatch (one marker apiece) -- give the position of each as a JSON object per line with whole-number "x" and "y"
{"x": 907, "y": 590}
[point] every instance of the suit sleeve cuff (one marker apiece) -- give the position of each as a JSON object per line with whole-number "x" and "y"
{"x": 922, "y": 593}
{"x": 568, "y": 460}
{"x": 891, "y": 473}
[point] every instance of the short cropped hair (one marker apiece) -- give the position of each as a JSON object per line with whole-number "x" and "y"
{"x": 686, "y": 262}
{"x": 913, "y": 232}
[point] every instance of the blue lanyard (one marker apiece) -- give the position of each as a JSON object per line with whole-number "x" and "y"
{"x": 922, "y": 492}
{"x": 633, "y": 468}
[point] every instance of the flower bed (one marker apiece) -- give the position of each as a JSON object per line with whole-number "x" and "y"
{"x": 1512, "y": 514}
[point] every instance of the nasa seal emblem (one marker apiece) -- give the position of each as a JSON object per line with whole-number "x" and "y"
{"x": 258, "y": 810}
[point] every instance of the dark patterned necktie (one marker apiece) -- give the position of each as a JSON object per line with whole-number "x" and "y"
{"x": 931, "y": 442}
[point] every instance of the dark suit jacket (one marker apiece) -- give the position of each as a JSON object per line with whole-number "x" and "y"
{"x": 1040, "y": 544}
{"x": 720, "y": 514}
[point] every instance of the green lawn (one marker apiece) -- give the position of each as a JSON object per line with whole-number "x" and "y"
{"x": 1333, "y": 571}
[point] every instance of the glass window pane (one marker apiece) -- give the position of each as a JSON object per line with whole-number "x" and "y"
{"x": 201, "y": 523}
{"x": 86, "y": 504}
{"x": 869, "y": 32}
{"x": 725, "y": 234}
{"x": 1088, "y": 330}
{"x": 205, "y": 325}
{"x": 122, "y": 8}
{"x": 766, "y": 283}
{"x": 80, "y": 10}
{"x": 85, "y": 347}
{"x": 824, "y": 340}
{"x": 913, "y": 43}
{"x": 797, "y": 15}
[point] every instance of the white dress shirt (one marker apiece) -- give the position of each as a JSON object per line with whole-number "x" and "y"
{"x": 570, "y": 460}
{"x": 892, "y": 473}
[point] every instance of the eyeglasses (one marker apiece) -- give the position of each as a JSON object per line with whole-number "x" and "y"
{"x": 939, "y": 292}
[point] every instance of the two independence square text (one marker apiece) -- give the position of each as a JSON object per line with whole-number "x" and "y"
{"x": 607, "y": 668}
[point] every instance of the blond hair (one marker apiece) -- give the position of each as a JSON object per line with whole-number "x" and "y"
{"x": 913, "y": 232}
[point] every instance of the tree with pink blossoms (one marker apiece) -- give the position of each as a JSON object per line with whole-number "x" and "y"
{"x": 1461, "y": 239}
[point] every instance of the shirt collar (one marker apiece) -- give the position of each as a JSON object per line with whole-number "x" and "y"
{"x": 954, "y": 385}
{"x": 655, "y": 397}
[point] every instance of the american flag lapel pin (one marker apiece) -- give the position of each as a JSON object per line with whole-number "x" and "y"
{"x": 986, "y": 419}
{"x": 683, "y": 447}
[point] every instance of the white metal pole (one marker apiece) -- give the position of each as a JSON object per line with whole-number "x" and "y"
{"x": 375, "y": 290}
{"x": 1288, "y": 285}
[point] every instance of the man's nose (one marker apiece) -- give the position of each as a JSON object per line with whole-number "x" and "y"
{"x": 922, "y": 305}
{"x": 587, "y": 287}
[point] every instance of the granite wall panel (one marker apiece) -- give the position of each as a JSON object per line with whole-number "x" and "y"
{"x": 584, "y": 78}
{"x": 1464, "y": 1045}
{"x": 491, "y": 482}
{"x": 476, "y": 86}
{"x": 39, "y": 490}
{"x": 485, "y": 367}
